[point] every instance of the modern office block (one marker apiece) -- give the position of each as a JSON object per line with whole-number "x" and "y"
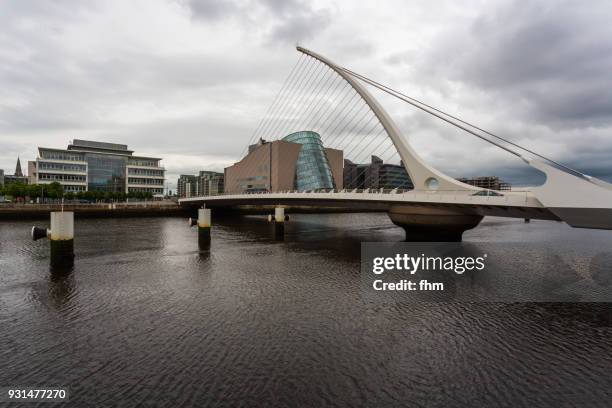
{"x": 97, "y": 166}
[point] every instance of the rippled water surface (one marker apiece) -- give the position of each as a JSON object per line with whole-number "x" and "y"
{"x": 147, "y": 319}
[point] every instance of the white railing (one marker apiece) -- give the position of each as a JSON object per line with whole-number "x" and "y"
{"x": 495, "y": 197}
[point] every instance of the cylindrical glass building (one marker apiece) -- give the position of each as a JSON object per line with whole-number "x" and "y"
{"x": 312, "y": 170}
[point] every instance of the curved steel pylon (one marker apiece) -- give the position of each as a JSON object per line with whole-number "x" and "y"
{"x": 423, "y": 176}
{"x": 578, "y": 199}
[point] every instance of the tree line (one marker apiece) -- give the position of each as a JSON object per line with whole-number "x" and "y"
{"x": 55, "y": 191}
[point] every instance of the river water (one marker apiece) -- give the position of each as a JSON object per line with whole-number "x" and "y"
{"x": 144, "y": 318}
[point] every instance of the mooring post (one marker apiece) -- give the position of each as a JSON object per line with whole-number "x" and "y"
{"x": 279, "y": 223}
{"x": 61, "y": 237}
{"x": 203, "y": 223}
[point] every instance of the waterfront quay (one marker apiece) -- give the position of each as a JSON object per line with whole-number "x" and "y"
{"x": 90, "y": 210}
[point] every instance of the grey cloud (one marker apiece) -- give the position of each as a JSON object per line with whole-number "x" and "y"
{"x": 212, "y": 9}
{"x": 191, "y": 136}
{"x": 401, "y": 58}
{"x": 281, "y": 21}
{"x": 300, "y": 27}
{"x": 79, "y": 91}
{"x": 296, "y": 20}
{"x": 556, "y": 55}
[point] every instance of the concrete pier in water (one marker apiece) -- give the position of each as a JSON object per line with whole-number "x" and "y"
{"x": 61, "y": 237}
{"x": 204, "y": 224}
{"x": 279, "y": 223}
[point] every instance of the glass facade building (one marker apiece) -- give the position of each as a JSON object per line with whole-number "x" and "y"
{"x": 97, "y": 166}
{"x": 106, "y": 172}
{"x": 312, "y": 170}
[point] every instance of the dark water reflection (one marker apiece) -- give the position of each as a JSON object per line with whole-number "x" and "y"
{"x": 147, "y": 318}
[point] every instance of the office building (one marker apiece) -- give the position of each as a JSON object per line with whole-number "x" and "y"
{"x": 376, "y": 175}
{"x": 97, "y": 166}
{"x": 209, "y": 183}
{"x": 299, "y": 162}
{"x": 490, "y": 183}
{"x": 204, "y": 184}
{"x": 186, "y": 186}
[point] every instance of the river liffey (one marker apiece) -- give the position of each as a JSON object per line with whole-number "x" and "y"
{"x": 144, "y": 318}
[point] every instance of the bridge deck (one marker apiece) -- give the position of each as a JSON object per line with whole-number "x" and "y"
{"x": 510, "y": 204}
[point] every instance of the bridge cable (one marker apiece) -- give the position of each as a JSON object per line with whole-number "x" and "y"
{"x": 314, "y": 99}
{"x": 335, "y": 128}
{"x": 307, "y": 69}
{"x": 315, "y": 105}
{"x": 346, "y": 118}
{"x": 369, "y": 132}
{"x": 427, "y": 108}
{"x": 281, "y": 93}
{"x": 295, "y": 109}
{"x": 352, "y": 93}
{"x": 378, "y": 155}
{"x": 286, "y": 107}
{"x": 350, "y": 132}
{"x": 292, "y": 102}
{"x": 329, "y": 100}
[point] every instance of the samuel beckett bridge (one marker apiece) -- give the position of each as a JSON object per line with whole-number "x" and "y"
{"x": 324, "y": 114}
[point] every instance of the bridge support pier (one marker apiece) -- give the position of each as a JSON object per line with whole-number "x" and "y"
{"x": 427, "y": 224}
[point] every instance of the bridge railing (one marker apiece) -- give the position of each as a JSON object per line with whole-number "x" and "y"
{"x": 440, "y": 194}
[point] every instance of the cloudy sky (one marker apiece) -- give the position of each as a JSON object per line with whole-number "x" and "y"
{"x": 189, "y": 80}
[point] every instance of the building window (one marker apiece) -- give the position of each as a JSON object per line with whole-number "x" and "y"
{"x": 62, "y": 167}
{"x": 132, "y": 180}
{"x": 145, "y": 172}
{"x": 62, "y": 177}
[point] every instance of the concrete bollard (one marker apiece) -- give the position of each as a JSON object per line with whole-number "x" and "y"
{"x": 204, "y": 223}
{"x": 61, "y": 237}
{"x": 279, "y": 215}
{"x": 279, "y": 223}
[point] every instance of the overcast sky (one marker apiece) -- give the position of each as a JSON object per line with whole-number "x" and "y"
{"x": 189, "y": 80}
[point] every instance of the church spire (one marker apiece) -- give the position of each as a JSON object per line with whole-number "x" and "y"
{"x": 18, "y": 171}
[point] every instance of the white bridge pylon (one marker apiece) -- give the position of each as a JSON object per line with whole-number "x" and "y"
{"x": 423, "y": 176}
{"x": 578, "y": 199}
